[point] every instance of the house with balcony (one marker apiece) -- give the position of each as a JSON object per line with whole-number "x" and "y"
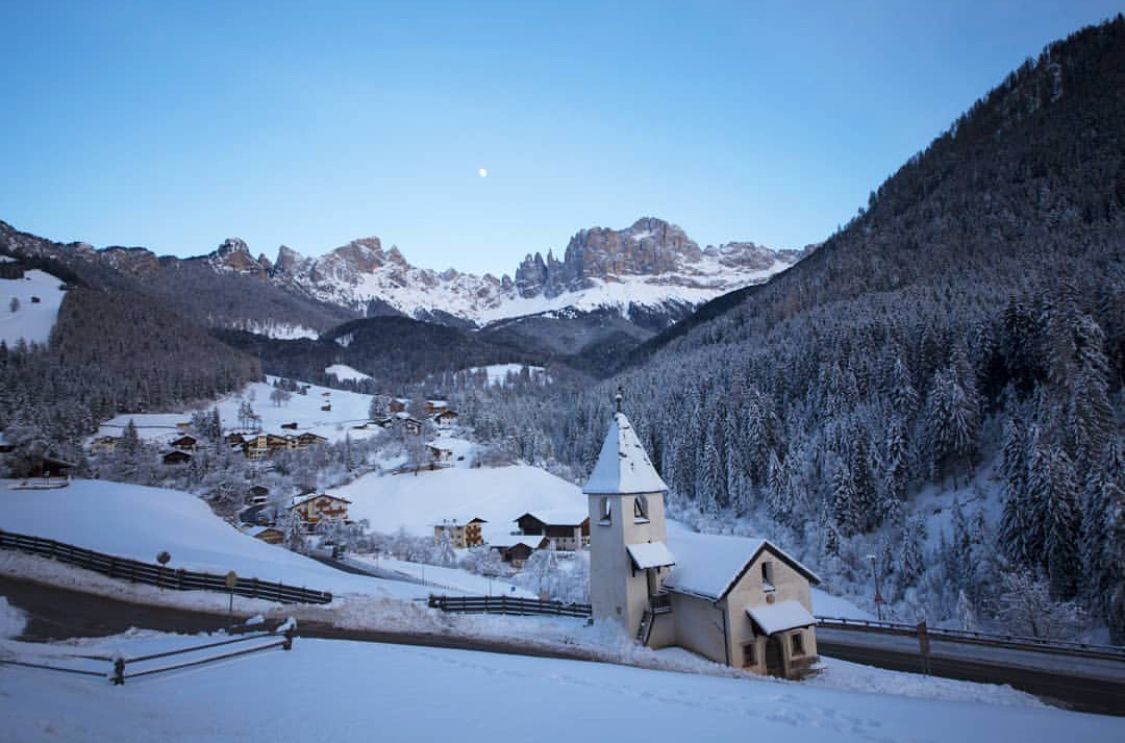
{"x": 568, "y": 529}
{"x": 312, "y": 508}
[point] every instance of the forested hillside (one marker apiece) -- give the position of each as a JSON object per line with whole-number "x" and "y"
{"x": 110, "y": 352}
{"x": 966, "y": 331}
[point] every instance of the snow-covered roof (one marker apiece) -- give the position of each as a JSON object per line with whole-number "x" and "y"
{"x": 511, "y": 540}
{"x": 302, "y": 499}
{"x": 623, "y": 465}
{"x": 651, "y": 555}
{"x": 457, "y": 521}
{"x": 780, "y": 616}
{"x": 709, "y": 565}
{"x": 254, "y": 531}
{"x": 7, "y": 259}
{"x": 559, "y": 516}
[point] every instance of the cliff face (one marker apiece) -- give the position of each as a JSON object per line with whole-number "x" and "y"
{"x": 649, "y": 247}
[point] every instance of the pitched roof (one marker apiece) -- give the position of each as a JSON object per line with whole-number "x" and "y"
{"x": 781, "y": 616}
{"x": 558, "y": 516}
{"x": 651, "y": 555}
{"x": 709, "y": 565}
{"x": 511, "y": 540}
{"x": 302, "y": 499}
{"x": 623, "y": 466}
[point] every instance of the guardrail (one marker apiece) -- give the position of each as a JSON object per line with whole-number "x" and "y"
{"x": 281, "y": 637}
{"x": 507, "y": 605}
{"x": 1015, "y": 642}
{"x": 158, "y": 575}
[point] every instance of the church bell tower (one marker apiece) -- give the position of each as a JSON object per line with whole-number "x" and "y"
{"x": 628, "y": 556}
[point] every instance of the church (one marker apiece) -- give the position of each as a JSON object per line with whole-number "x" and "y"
{"x": 742, "y": 602}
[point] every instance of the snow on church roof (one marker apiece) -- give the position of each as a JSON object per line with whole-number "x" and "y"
{"x": 709, "y": 565}
{"x": 623, "y": 466}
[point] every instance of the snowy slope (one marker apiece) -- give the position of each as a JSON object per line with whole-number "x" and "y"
{"x": 625, "y": 293}
{"x": 498, "y": 495}
{"x": 348, "y": 409}
{"x": 345, "y": 373}
{"x": 139, "y": 522}
{"x": 498, "y": 374}
{"x": 406, "y": 693}
{"x": 33, "y": 321}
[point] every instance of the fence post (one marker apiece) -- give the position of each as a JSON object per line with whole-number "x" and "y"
{"x": 118, "y": 671}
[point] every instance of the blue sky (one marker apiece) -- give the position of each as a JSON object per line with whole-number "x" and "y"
{"x": 174, "y": 125}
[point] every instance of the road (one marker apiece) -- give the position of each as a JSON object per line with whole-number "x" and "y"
{"x": 1084, "y": 685}
{"x": 1080, "y": 685}
{"x": 58, "y": 613}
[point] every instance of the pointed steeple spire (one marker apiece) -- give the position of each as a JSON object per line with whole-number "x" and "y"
{"x": 623, "y": 466}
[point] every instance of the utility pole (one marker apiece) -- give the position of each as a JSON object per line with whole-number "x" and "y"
{"x": 878, "y": 592}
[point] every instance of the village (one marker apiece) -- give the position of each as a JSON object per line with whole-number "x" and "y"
{"x": 606, "y": 543}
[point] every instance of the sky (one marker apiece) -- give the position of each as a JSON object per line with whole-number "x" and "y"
{"x": 174, "y": 125}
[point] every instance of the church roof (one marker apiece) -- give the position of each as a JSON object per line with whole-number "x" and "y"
{"x": 710, "y": 565}
{"x": 623, "y": 466}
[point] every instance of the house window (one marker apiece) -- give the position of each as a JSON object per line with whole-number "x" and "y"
{"x": 606, "y": 511}
{"x": 797, "y": 643}
{"x": 748, "y": 655}
{"x": 767, "y": 576}
{"x": 640, "y": 508}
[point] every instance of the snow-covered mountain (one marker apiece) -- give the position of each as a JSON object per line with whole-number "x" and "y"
{"x": 652, "y": 267}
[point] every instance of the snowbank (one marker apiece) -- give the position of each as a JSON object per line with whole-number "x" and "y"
{"x": 12, "y": 620}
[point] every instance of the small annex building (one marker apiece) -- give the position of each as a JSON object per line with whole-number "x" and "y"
{"x": 738, "y": 601}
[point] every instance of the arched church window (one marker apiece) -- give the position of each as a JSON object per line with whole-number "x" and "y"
{"x": 606, "y": 510}
{"x": 640, "y": 508}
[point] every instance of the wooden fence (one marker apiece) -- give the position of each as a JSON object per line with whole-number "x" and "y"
{"x": 158, "y": 575}
{"x": 141, "y": 665}
{"x": 507, "y": 605}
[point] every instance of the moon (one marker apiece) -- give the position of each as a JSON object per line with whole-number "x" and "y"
{"x": 483, "y": 172}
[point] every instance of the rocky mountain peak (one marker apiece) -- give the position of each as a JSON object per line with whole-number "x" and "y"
{"x": 234, "y": 255}
{"x": 287, "y": 260}
{"x": 650, "y": 247}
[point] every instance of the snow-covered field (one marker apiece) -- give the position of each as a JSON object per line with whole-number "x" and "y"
{"x": 498, "y": 373}
{"x": 498, "y": 495}
{"x": 439, "y": 579}
{"x": 348, "y": 409}
{"x": 139, "y": 522}
{"x": 333, "y": 690}
{"x": 32, "y": 321}
{"x": 345, "y": 373}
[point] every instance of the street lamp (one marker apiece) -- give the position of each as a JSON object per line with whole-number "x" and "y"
{"x": 878, "y": 593}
